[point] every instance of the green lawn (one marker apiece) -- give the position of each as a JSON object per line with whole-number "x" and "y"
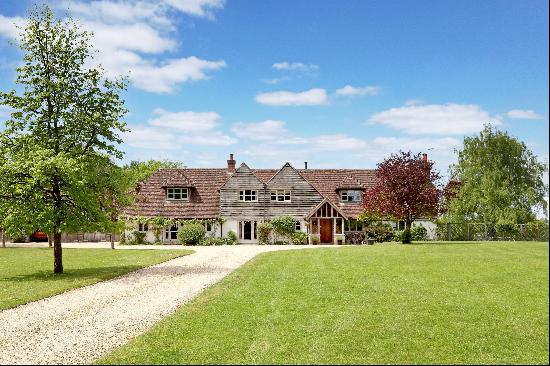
{"x": 387, "y": 303}
{"x": 26, "y": 274}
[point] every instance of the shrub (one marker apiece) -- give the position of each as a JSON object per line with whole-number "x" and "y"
{"x": 284, "y": 225}
{"x": 214, "y": 241}
{"x": 191, "y": 233}
{"x": 232, "y": 238}
{"x": 536, "y": 230}
{"x": 506, "y": 229}
{"x": 314, "y": 240}
{"x": 264, "y": 229}
{"x": 419, "y": 233}
{"x": 397, "y": 235}
{"x": 281, "y": 242}
{"x": 139, "y": 238}
{"x": 379, "y": 231}
{"x": 298, "y": 238}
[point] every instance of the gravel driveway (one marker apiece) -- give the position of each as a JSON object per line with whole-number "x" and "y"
{"x": 79, "y": 326}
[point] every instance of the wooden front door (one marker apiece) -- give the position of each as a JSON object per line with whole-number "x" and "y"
{"x": 326, "y": 230}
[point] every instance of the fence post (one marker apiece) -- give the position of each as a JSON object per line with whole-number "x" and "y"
{"x": 448, "y": 231}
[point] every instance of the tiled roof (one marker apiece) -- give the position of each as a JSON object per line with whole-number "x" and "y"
{"x": 205, "y": 196}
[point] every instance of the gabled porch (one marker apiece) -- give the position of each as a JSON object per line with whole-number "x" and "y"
{"x": 326, "y": 224}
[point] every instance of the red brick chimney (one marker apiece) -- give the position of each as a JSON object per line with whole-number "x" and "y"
{"x": 231, "y": 164}
{"x": 425, "y": 157}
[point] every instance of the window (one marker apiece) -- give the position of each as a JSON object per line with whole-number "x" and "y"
{"x": 280, "y": 195}
{"x": 177, "y": 194}
{"x": 143, "y": 227}
{"x": 350, "y": 196}
{"x": 171, "y": 233}
{"x": 208, "y": 227}
{"x": 248, "y": 195}
{"x": 353, "y": 225}
{"x": 298, "y": 226}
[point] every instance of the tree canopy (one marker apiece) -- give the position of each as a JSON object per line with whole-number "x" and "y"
{"x": 57, "y": 150}
{"x": 500, "y": 179}
{"x": 139, "y": 171}
{"x": 406, "y": 189}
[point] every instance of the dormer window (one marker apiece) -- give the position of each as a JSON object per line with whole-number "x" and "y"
{"x": 248, "y": 195}
{"x": 177, "y": 194}
{"x": 350, "y": 196}
{"x": 280, "y": 195}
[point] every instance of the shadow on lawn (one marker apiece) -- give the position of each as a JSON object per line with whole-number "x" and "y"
{"x": 70, "y": 273}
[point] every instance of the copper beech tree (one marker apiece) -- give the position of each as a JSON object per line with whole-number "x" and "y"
{"x": 407, "y": 187}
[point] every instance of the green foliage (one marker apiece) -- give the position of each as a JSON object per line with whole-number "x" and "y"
{"x": 281, "y": 242}
{"x": 379, "y": 231}
{"x": 298, "y": 237}
{"x": 140, "y": 171}
{"x": 232, "y": 237}
{"x": 397, "y": 235}
{"x": 139, "y": 238}
{"x": 57, "y": 147}
{"x": 419, "y": 233}
{"x": 536, "y": 230}
{"x": 191, "y": 233}
{"x": 214, "y": 241}
{"x": 315, "y": 240}
{"x": 283, "y": 225}
{"x": 263, "y": 230}
{"x": 506, "y": 229}
{"x": 500, "y": 178}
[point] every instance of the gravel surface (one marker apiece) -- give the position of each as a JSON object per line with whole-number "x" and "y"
{"x": 81, "y": 325}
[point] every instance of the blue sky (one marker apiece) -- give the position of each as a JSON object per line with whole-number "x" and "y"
{"x": 334, "y": 83}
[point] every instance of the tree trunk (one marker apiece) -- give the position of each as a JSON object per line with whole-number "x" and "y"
{"x": 57, "y": 254}
{"x": 50, "y": 240}
{"x": 3, "y": 239}
{"x": 407, "y": 233}
{"x": 112, "y": 240}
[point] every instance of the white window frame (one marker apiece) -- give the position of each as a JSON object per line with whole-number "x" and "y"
{"x": 208, "y": 227}
{"x": 177, "y": 194}
{"x": 298, "y": 226}
{"x": 346, "y": 197}
{"x": 253, "y": 233}
{"x": 251, "y": 194}
{"x": 281, "y": 195}
{"x": 143, "y": 228}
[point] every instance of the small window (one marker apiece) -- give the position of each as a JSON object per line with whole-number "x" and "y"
{"x": 177, "y": 194}
{"x": 248, "y": 195}
{"x": 298, "y": 226}
{"x": 280, "y": 195}
{"x": 350, "y": 196}
{"x": 143, "y": 227}
{"x": 171, "y": 233}
{"x": 353, "y": 225}
{"x": 208, "y": 227}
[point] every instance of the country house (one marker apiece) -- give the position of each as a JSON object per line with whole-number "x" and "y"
{"x": 324, "y": 202}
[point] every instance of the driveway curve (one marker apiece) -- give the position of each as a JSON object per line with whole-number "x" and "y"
{"x": 81, "y": 325}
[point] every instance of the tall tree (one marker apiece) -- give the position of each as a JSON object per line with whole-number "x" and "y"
{"x": 62, "y": 135}
{"x": 407, "y": 188}
{"x": 500, "y": 178}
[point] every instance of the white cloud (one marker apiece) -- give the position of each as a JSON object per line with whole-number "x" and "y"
{"x": 314, "y": 96}
{"x": 199, "y": 8}
{"x": 268, "y": 130}
{"x": 351, "y": 91}
{"x": 173, "y": 130}
{"x": 190, "y": 122}
{"x": 437, "y": 119}
{"x": 128, "y": 34}
{"x": 294, "y": 66}
{"x": 8, "y": 26}
{"x": 523, "y": 114}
